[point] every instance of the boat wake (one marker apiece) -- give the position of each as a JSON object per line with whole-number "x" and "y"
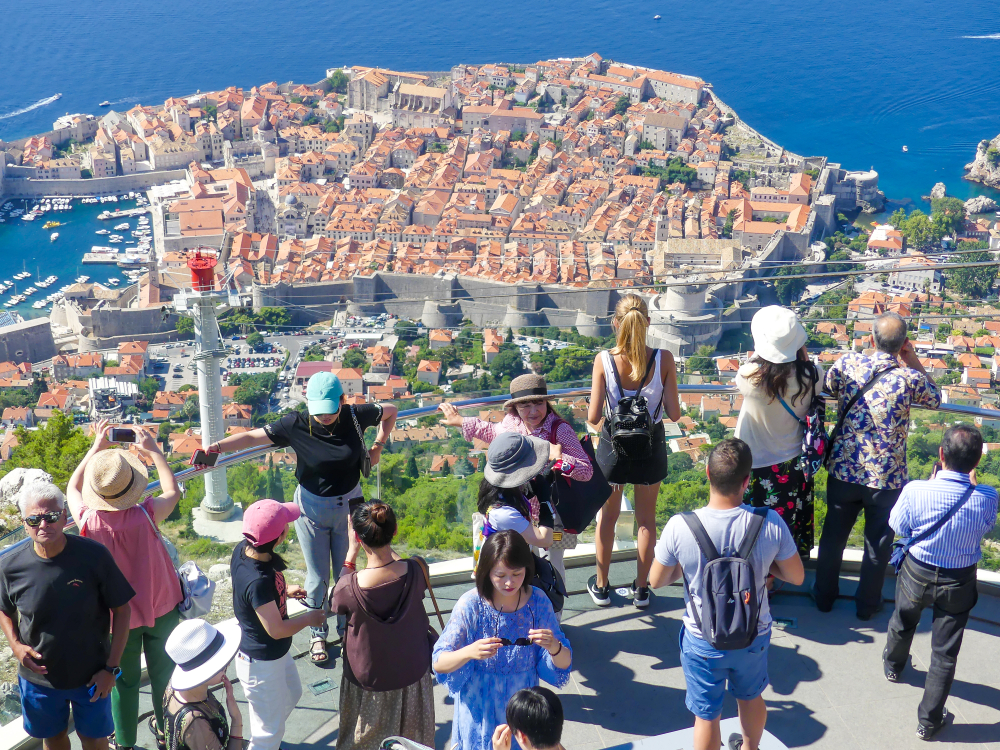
{"x": 40, "y": 103}
{"x": 983, "y": 36}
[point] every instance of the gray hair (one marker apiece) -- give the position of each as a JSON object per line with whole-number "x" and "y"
{"x": 889, "y": 332}
{"x": 39, "y": 490}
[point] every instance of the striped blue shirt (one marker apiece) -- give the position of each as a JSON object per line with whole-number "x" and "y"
{"x": 957, "y": 543}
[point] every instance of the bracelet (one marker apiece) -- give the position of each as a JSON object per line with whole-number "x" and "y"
{"x": 557, "y": 652}
{"x": 350, "y": 565}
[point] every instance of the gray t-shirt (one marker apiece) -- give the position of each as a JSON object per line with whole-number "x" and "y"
{"x": 726, "y": 528}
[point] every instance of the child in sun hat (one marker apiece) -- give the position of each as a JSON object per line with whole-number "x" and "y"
{"x": 195, "y": 720}
{"x": 263, "y": 663}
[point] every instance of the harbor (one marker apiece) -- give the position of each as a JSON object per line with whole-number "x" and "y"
{"x": 41, "y": 258}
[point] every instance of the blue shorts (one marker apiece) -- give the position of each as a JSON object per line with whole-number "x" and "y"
{"x": 706, "y": 671}
{"x": 45, "y": 711}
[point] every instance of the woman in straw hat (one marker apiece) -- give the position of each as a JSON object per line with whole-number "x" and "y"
{"x": 196, "y": 720}
{"x": 530, "y": 413}
{"x": 632, "y": 367}
{"x": 778, "y": 385}
{"x": 105, "y": 497}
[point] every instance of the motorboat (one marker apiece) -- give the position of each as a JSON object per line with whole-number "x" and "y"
{"x": 905, "y": 149}
{"x": 54, "y": 236}
{"x": 105, "y": 103}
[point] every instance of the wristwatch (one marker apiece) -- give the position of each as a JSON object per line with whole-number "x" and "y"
{"x": 115, "y": 671}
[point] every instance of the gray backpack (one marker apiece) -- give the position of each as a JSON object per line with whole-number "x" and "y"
{"x": 730, "y": 603}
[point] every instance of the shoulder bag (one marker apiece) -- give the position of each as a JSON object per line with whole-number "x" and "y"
{"x": 366, "y": 459}
{"x": 850, "y": 405}
{"x": 577, "y": 502}
{"x": 197, "y": 588}
{"x": 814, "y": 437}
{"x": 901, "y": 547}
{"x": 630, "y": 423}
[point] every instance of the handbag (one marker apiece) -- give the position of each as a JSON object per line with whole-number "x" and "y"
{"x": 814, "y": 437}
{"x": 850, "y": 405}
{"x": 901, "y": 547}
{"x": 197, "y": 588}
{"x": 548, "y": 580}
{"x": 366, "y": 460}
{"x": 577, "y": 502}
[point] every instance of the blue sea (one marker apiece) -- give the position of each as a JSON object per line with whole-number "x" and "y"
{"x": 852, "y": 80}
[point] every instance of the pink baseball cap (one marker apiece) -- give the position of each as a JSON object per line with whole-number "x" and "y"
{"x": 264, "y": 521}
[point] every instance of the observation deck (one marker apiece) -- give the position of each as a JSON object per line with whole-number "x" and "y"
{"x": 627, "y": 688}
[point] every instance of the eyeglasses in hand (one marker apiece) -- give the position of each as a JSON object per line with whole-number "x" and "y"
{"x": 53, "y": 516}
{"x": 523, "y": 641}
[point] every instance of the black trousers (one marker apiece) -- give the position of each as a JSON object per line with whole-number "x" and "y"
{"x": 952, "y": 594}
{"x": 845, "y": 501}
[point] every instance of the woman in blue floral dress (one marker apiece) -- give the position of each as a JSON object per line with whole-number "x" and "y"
{"x": 502, "y": 636}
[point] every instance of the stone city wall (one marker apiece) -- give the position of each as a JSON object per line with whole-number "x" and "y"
{"x": 30, "y": 341}
{"x": 17, "y": 187}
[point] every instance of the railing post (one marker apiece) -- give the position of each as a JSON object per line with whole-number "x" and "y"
{"x": 378, "y": 479}
{"x": 625, "y": 528}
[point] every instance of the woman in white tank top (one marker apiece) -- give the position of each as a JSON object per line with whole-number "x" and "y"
{"x": 630, "y": 367}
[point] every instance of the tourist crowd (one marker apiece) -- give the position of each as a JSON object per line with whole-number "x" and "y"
{"x": 80, "y": 610}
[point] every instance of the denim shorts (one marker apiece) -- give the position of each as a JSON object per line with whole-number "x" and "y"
{"x": 45, "y": 711}
{"x": 706, "y": 671}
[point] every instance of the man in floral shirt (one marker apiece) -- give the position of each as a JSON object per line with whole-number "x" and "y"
{"x": 868, "y": 465}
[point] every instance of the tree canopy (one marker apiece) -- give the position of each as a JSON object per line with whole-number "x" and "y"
{"x": 974, "y": 283}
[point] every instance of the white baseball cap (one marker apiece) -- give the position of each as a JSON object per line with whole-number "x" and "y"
{"x": 777, "y": 334}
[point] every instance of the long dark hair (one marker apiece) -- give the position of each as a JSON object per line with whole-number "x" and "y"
{"x": 773, "y": 378}
{"x": 507, "y": 547}
{"x": 491, "y": 496}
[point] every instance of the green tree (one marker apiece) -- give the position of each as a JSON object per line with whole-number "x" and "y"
{"x": 255, "y": 340}
{"x": 275, "y": 487}
{"x": 701, "y": 361}
{"x": 445, "y": 469}
{"x": 622, "y": 105}
{"x": 211, "y": 111}
{"x": 56, "y": 448}
{"x": 191, "y": 411}
{"x": 411, "y": 467}
{"x": 338, "y": 81}
{"x": 571, "y": 364}
{"x": 464, "y": 467}
{"x": 950, "y": 213}
{"x": 187, "y": 387}
{"x": 273, "y": 317}
{"x": 974, "y": 283}
{"x": 646, "y": 146}
{"x": 354, "y": 358}
{"x": 789, "y": 283}
{"x": 148, "y": 387}
{"x": 185, "y": 325}
{"x": 406, "y": 330}
{"x": 508, "y": 363}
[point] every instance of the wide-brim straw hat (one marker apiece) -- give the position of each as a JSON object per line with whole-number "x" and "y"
{"x": 513, "y": 459}
{"x": 114, "y": 480}
{"x": 201, "y": 651}
{"x": 528, "y": 387}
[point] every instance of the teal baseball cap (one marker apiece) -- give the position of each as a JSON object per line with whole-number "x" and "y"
{"x": 323, "y": 392}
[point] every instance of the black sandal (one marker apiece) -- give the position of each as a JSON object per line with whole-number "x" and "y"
{"x": 158, "y": 736}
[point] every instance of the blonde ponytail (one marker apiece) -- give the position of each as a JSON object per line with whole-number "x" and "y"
{"x": 632, "y": 317}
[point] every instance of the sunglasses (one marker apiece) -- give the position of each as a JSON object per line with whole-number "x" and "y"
{"x": 523, "y": 641}
{"x": 53, "y": 516}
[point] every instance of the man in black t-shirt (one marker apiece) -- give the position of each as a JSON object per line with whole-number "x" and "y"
{"x": 329, "y": 449}
{"x": 59, "y": 597}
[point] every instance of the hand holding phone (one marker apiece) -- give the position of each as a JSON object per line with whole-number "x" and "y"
{"x": 121, "y": 435}
{"x": 204, "y": 458}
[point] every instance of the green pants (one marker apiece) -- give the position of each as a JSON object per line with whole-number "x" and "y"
{"x": 159, "y": 667}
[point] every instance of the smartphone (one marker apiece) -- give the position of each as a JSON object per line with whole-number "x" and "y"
{"x": 937, "y": 467}
{"x": 121, "y": 435}
{"x": 202, "y": 458}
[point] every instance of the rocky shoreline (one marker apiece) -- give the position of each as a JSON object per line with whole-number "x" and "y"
{"x": 985, "y": 168}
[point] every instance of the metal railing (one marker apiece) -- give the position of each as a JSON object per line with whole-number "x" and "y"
{"x": 251, "y": 453}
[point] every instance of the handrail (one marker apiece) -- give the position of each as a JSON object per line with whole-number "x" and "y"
{"x": 705, "y": 388}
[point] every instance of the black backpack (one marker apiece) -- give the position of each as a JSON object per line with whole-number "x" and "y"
{"x": 630, "y": 425}
{"x": 548, "y": 580}
{"x": 730, "y": 603}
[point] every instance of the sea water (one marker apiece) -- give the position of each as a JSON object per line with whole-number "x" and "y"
{"x": 852, "y": 80}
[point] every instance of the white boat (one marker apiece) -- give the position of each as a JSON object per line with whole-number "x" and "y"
{"x": 120, "y": 227}
{"x": 906, "y": 148}
{"x": 103, "y": 231}
{"x": 105, "y": 103}
{"x": 656, "y": 17}
{"x": 39, "y": 304}
{"x": 54, "y": 236}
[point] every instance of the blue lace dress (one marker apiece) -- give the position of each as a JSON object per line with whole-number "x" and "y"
{"x": 481, "y": 689}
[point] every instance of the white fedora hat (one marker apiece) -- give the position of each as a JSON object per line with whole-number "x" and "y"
{"x": 201, "y": 651}
{"x": 777, "y": 334}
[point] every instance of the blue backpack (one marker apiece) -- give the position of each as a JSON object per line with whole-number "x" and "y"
{"x": 730, "y": 603}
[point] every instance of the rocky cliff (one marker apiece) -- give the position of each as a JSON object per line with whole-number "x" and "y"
{"x": 986, "y": 167}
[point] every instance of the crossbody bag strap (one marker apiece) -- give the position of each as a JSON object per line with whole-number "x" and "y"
{"x": 854, "y": 399}
{"x": 753, "y": 533}
{"x": 789, "y": 410}
{"x": 618, "y": 383}
{"x": 943, "y": 520}
{"x": 430, "y": 589}
{"x": 357, "y": 426}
